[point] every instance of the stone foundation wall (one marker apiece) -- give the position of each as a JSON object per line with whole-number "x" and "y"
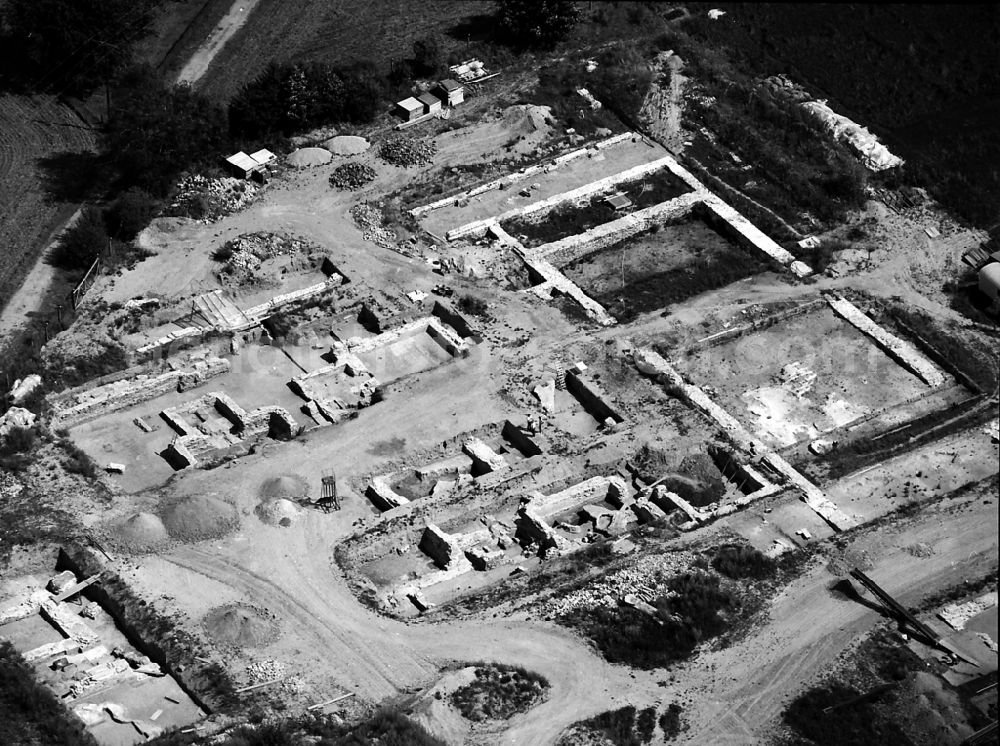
{"x": 591, "y": 397}
{"x": 566, "y": 250}
{"x": 113, "y": 397}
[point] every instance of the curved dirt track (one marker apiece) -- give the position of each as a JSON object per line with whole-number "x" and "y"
{"x": 735, "y": 695}
{"x": 197, "y": 66}
{"x": 377, "y": 657}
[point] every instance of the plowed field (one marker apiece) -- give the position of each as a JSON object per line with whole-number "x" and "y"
{"x": 32, "y": 128}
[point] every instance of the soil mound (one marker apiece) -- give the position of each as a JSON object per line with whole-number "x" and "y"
{"x": 200, "y": 517}
{"x": 305, "y": 157}
{"x": 278, "y": 512}
{"x": 346, "y": 145}
{"x": 288, "y": 486}
{"x": 142, "y": 532}
{"x": 239, "y": 625}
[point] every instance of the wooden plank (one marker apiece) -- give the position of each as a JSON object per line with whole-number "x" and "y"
{"x": 73, "y": 590}
{"x": 330, "y": 701}
{"x": 258, "y": 686}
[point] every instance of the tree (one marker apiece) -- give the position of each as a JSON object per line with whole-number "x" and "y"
{"x": 536, "y": 23}
{"x": 130, "y": 213}
{"x": 77, "y": 44}
{"x": 426, "y": 55}
{"x": 155, "y": 132}
{"x": 80, "y": 244}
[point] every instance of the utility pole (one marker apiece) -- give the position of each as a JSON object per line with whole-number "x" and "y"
{"x": 59, "y": 315}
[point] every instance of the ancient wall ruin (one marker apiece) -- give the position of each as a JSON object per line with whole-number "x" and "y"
{"x": 86, "y": 404}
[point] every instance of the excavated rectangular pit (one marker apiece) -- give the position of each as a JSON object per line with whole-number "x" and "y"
{"x": 662, "y": 266}
{"x": 140, "y": 696}
{"x": 801, "y": 377}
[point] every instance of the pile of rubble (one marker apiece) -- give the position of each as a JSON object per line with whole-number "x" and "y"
{"x": 266, "y": 670}
{"x": 405, "y": 151}
{"x": 351, "y": 175}
{"x": 247, "y": 252}
{"x": 210, "y": 199}
{"x": 641, "y": 580}
{"x": 369, "y": 219}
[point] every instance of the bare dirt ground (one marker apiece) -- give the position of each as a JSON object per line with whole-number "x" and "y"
{"x": 852, "y": 377}
{"x": 738, "y": 693}
{"x": 619, "y": 157}
{"x": 197, "y": 66}
{"x": 332, "y": 643}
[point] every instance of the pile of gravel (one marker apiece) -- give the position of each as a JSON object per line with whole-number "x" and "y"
{"x": 351, "y": 175}
{"x": 143, "y": 532}
{"x": 305, "y": 157}
{"x": 239, "y": 625}
{"x": 346, "y": 145}
{"x": 200, "y": 517}
{"x": 278, "y": 512}
{"x": 289, "y": 486}
{"x": 405, "y": 151}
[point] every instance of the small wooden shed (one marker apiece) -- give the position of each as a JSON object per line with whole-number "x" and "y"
{"x": 450, "y": 91}
{"x": 430, "y": 102}
{"x": 409, "y": 108}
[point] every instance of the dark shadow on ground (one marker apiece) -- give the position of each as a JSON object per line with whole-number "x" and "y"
{"x": 71, "y": 176}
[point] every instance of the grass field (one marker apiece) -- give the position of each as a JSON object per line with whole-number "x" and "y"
{"x": 182, "y": 26}
{"x": 35, "y": 132}
{"x": 333, "y": 32}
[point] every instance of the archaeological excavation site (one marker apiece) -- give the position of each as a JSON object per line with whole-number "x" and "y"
{"x": 603, "y": 389}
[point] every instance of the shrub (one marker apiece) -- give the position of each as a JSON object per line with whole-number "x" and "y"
{"x": 645, "y": 724}
{"x": 18, "y": 440}
{"x": 499, "y": 692}
{"x": 78, "y": 461}
{"x": 670, "y": 721}
{"x": 739, "y": 561}
{"x": 690, "y": 615}
{"x": 855, "y": 725}
{"x": 29, "y": 711}
{"x": 82, "y": 242}
{"x": 536, "y": 23}
{"x": 472, "y": 305}
{"x": 130, "y": 213}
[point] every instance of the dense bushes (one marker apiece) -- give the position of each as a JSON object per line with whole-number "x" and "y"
{"x": 855, "y": 725}
{"x": 82, "y": 242}
{"x": 739, "y": 561}
{"x": 130, "y": 213}
{"x": 29, "y": 712}
{"x": 285, "y": 99}
{"x": 686, "y": 617}
{"x": 156, "y": 132}
{"x": 535, "y": 23}
{"x": 626, "y": 726}
{"x": 499, "y": 692}
{"x": 473, "y": 305}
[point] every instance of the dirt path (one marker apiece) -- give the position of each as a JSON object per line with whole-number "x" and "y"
{"x": 197, "y": 66}
{"x": 742, "y": 691}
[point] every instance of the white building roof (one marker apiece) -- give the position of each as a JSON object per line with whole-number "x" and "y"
{"x": 263, "y": 156}
{"x": 410, "y": 104}
{"x": 243, "y": 161}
